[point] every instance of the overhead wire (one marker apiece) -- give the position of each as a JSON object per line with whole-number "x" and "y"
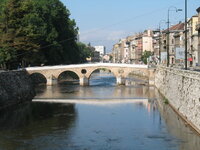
{"x": 102, "y": 28}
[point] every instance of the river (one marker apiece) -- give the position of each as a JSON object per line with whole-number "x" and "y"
{"x": 101, "y": 116}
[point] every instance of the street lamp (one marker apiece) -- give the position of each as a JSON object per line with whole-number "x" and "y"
{"x": 161, "y": 21}
{"x": 172, "y": 8}
{"x": 185, "y": 34}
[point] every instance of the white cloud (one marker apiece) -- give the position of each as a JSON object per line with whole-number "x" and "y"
{"x": 115, "y": 35}
{"x": 102, "y": 37}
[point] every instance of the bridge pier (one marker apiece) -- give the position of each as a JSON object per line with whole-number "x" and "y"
{"x": 52, "y": 80}
{"x": 151, "y": 76}
{"x": 121, "y": 81}
{"x": 84, "y": 81}
{"x": 83, "y": 71}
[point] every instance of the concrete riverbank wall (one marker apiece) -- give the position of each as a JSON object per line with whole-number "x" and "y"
{"x": 182, "y": 90}
{"x": 15, "y": 87}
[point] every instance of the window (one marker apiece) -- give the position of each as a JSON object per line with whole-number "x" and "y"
{"x": 172, "y": 41}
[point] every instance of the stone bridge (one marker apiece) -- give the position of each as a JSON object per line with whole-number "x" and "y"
{"x": 84, "y": 71}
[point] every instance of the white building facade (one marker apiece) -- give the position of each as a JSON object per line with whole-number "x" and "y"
{"x": 101, "y": 50}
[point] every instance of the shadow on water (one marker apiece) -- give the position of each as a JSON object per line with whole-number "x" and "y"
{"x": 188, "y": 138}
{"x": 31, "y": 122}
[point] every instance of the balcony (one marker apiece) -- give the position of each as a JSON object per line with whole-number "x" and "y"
{"x": 198, "y": 27}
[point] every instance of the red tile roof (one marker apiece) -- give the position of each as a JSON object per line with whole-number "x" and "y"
{"x": 179, "y": 26}
{"x": 176, "y": 27}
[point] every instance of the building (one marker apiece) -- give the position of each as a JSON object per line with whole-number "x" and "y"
{"x": 130, "y": 49}
{"x": 198, "y": 29}
{"x": 106, "y": 58}
{"x": 95, "y": 57}
{"x": 125, "y": 50}
{"x": 121, "y": 51}
{"x": 147, "y": 41}
{"x": 176, "y": 42}
{"x": 156, "y": 43}
{"x": 138, "y": 48}
{"x": 143, "y": 42}
{"x": 101, "y": 50}
{"x": 193, "y": 53}
{"x": 116, "y": 53}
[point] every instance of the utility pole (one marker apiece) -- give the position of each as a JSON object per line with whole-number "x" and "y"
{"x": 185, "y": 34}
{"x": 168, "y": 39}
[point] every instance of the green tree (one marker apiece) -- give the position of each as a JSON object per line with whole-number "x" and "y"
{"x": 85, "y": 51}
{"x": 111, "y": 58}
{"x": 2, "y": 5}
{"x": 146, "y": 55}
{"x": 37, "y": 32}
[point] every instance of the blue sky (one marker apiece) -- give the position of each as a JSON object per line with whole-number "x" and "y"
{"x": 104, "y": 22}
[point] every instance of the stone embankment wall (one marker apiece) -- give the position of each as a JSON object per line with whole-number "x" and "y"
{"x": 150, "y": 76}
{"x": 182, "y": 90}
{"x": 15, "y": 87}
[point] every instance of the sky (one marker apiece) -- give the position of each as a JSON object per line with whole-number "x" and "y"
{"x": 104, "y": 22}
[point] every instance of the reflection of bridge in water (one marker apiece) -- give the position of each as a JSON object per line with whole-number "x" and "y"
{"x": 95, "y": 92}
{"x": 94, "y": 101}
{"x": 84, "y": 71}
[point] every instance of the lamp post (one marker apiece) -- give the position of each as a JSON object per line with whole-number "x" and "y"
{"x": 161, "y": 21}
{"x": 185, "y": 34}
{"x": 172, "y": 8}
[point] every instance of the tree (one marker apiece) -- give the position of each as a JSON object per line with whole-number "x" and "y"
{"x": 37, "y": 32}
{"x": 85, "y": 51}
{"x": 145, "y": 55}
{"x": 111, "y": 58}
{"x": 2, "y": 5}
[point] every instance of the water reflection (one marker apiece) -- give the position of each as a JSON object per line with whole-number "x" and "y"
{"x": 96, "y": 117}
{"x": 188, "y": 138}
{"x": 33, "y": 126}
{"x": 76, "y": 91}
{"x": 102, "y": 79}
{"x": 101, "y": 86}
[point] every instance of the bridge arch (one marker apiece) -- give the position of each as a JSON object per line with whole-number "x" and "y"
{"x": 68, "y": 76}
{"x": 84, "y": 71}
{"x": 38, "y": 78}
{"x": 101, "y": 69}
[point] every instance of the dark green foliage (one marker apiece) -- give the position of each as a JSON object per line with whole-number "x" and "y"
{"x": 35, "y": 32}
{"x": 85, "y": 51}
{"x": 111, "y": 58}
{"x": 146, "y": 55}
{"x": 2, "y": 5}
{"x": 166, "y": 101}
